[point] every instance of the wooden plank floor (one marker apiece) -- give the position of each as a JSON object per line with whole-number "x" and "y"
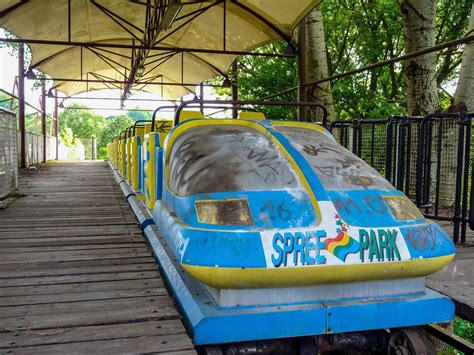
{"x": 457, "y": 281}
{"x": 76, "y": 275}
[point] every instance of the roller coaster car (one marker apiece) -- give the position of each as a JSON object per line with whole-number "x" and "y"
{"x": 270, "y": 229}
{"x": 253, "y": 203}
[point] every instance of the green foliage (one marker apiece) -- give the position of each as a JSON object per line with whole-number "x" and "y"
{"x": 452, "y": 22}
{"x": 102, "y": 153}
{"x": 77, "y": 122}
{"x": 82, "y": 121}
{"x": 115, "y": 126}
{"x": 5, "y": 101}
{"x": 262, "y": 76}
{"x": 14, "y": 47}
{"x": 67, "y": 137}
{"x": 139, "y": 115}
{"x": 464, "y": 329}
{"x": 357, "y": 34}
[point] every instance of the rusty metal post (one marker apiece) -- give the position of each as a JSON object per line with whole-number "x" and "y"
{"x": 201, "y": 97}
{"x": 302, "y": 97}
{"x": 55, "y": 116}
{"x": 93, "y": 148}
{"x": 43, "y": 118}
{"x": 21, "y": 104}
{"x": 235, "y": 91}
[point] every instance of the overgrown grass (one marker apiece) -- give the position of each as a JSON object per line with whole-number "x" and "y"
{"x": 465, "y": 330}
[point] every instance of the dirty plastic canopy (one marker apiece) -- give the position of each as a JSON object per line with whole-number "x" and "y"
{"x": 48, "y": 20}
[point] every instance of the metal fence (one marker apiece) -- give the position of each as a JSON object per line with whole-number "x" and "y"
{"x": 8, "y": 154}
{"x": 428, "y": 158}
{"x": 366, "y": 138}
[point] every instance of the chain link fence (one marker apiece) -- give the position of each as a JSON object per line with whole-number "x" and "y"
{"x": 428, "y": 158}
{"x": 368, "y": 139}
{"x": 8, "y": 154}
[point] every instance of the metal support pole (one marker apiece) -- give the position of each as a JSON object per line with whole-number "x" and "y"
{"x": 55, "y": 115}
{"x": 201, "y": 97}
{"x": 302, "y": 97}
{"x": 93, "y": 148}
{"x": 235, "y": 91}
{"x": 43, "y": 118}
{"x": 21, "y": 104}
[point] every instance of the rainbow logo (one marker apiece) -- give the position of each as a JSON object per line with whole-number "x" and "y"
{"x": 342, "y": 245}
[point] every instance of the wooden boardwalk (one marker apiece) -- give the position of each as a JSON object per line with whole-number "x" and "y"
{"x": 76, "y": 275}
{"x": 457, "y": 281}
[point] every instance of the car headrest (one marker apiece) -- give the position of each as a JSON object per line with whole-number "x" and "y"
{"x": 162, "y": 125}
{"x": 188, "y": 115}
{"x": 250, "y": 115}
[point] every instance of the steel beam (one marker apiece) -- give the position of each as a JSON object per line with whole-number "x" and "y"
{"x": 43, "y": 118}
{"x": 12, "y": 8}
{"x": 110, "y": 99}
{"x": 243, "y": 104}
{"x": 69, "y": 23}
{"x": 121, "y": 82}
{"x": 120, "y": 21}
{"x": 235, "y": 91}
{"x": 201, "y": 97}
{"x": 21, "y": 104}
{"x": 55, "y": 116}
{"x": 157, "y": 20}
{"x": 449, "y": 44}
{"x": 135, "y": 46}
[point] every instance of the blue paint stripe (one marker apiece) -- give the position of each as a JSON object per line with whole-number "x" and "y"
{"x": 159, "y": 173}
{"x": 313, "y": 180}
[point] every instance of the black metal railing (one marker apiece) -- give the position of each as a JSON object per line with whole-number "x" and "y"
{"x": 428, "y": 158}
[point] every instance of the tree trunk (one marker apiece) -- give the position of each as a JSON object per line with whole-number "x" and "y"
{"x": 420, "y": 72}
{"x": 317, "y": 63}
{"x": 465, "y": 88}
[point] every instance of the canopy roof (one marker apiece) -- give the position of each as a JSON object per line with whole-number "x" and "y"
{"x": 197, "y": 25}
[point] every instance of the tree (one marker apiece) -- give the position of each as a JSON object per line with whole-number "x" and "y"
{"x": 67, "y": 137}
{"x": 139, "y": 115}
{"x": 419, "y": 29}
{"x": 82, "y": 121}
{"x": 113, "y": 129}
{"x": 452, "y": 20}
{"x": 465, "y": 88}
{"x": 262, "y": 76}
{"x": 359, "y": 34}
{"x": 317, "y": 62}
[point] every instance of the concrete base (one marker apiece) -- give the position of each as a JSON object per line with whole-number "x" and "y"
{"x": 317, "y": 293}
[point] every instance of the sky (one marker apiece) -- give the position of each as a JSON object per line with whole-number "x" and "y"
{"x": 9, "y": 70}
